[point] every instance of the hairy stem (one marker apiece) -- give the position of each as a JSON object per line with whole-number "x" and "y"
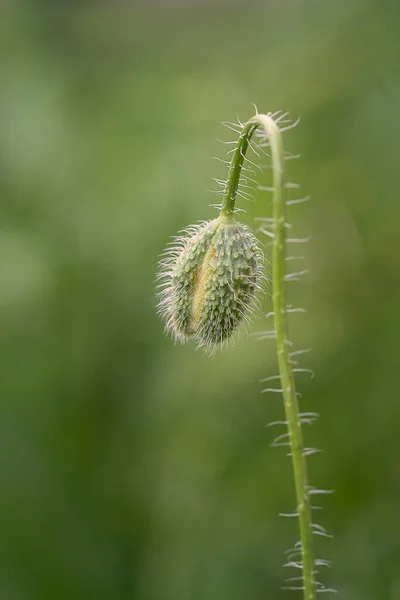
{"x": 271, "y": 130}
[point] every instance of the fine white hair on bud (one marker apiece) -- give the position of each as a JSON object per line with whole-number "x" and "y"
{"x": 209, "y": 278}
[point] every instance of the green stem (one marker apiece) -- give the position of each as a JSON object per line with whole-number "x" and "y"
{"x": 273, "y": 134}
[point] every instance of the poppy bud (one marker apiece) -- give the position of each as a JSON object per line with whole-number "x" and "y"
{"x": 210, "y": 278}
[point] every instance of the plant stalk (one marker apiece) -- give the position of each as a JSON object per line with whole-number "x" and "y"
{"x": 274, "y": 137}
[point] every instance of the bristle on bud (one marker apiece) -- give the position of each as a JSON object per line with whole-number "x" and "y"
{"x": 210, "y": 277}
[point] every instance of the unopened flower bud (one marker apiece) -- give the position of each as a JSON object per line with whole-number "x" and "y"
{"x": 209, "y": 282}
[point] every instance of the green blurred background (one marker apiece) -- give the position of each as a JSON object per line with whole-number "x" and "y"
{"x": 133, "y": 468}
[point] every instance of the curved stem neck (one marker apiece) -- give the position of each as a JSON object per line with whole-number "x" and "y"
{"x": 274, "y": 137}
{"x": 235, "y": 168}
{"x": 271, "y": 130}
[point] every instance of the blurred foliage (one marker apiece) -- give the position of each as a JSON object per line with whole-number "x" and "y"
{"x": 131, "y": 468}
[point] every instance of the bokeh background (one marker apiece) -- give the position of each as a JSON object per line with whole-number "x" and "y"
{"x": 133, "y": 468}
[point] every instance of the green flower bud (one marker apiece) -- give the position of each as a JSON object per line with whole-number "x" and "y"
{"x": 210, "y": 277}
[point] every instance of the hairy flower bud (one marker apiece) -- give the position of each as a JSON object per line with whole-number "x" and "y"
{"x": 210, "y": 278}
